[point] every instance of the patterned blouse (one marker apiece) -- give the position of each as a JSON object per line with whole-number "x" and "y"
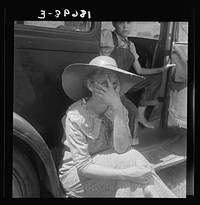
{"x": 85, "y": 135}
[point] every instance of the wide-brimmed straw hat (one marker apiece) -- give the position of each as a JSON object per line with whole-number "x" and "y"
{"x": 74, "y": 76}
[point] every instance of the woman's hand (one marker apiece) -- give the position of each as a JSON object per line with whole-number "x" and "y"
{"x": 139, "y": 174}
{"x": 108, "y": 94}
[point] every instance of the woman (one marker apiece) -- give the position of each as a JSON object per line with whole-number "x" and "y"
{"x": 98, "y": 160}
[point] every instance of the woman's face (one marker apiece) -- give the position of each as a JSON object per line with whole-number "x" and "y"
{"x": 123, "y": 28}
{"x": 101, "y": 78}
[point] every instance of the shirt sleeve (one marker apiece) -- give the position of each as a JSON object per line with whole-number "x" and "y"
{"x": 133, "y": 50}
{"x": 78, "y": 144}
{"x": 107, "y": 44}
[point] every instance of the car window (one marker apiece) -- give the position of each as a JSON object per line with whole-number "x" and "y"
{"x": 147, "y": 29}
{"x": 182, "y": 35}
{"x": 83, "y": 26}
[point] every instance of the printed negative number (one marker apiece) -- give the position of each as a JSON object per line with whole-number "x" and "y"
{"x": 66, "y": 12}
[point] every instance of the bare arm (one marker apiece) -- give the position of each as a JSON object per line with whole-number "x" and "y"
{"x": 84, "y": 163}
{"x": 136, "y": 174}
{"x": 121, "y": 136}
{"x": 146, "y": 71}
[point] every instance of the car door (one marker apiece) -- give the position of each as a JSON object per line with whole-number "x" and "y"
{"x": 164, "y": 145}
{"x": 42, "y": 49}
{"x": 173, "y": 109}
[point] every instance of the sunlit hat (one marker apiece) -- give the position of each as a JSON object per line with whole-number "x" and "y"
{"x": 74, "y": 76}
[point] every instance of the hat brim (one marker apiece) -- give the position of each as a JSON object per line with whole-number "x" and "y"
{"x": 74, "y": 76}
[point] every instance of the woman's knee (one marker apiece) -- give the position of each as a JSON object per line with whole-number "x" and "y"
{"x": 110, "y": 158}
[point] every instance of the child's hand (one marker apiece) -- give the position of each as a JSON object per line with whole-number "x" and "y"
{"x": 167, "y": 65}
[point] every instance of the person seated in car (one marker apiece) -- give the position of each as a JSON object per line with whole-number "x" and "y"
{"x": 116, "y": 45}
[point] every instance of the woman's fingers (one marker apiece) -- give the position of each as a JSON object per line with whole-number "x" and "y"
{"x": 146, "y": 181}
{"x": 110, "y": 86}
{"x": 99, "y": 91}
{"x": 117, "y": 89}
{"x": 100, "y": 86}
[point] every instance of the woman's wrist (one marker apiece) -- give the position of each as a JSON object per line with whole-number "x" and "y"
{"x": 124, "y": 175}
{"x": 98, "y": 171}
{"x": 116, "y": 106}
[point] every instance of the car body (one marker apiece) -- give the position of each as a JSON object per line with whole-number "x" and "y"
{"x": 42, "y": 49}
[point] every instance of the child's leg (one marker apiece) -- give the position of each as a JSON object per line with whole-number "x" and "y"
{"x": 152, "y": 85}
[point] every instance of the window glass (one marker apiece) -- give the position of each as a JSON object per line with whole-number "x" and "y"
{"x": 146, "y": 30}
{"x": 83, "y": 26}
{"x": 182, "y": 32}
{"x": 140, "y": 29}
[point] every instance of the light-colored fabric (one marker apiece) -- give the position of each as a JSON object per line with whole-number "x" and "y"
{"x": 86, "y": 135}
{"x": 178, "y": 88}
{"x": 180, "y": 58}
{"x": 107, "y": 44}
{"x": 156, "y": 189}
{"x": 89, "y": 140}
{"x": 178, "y": 108}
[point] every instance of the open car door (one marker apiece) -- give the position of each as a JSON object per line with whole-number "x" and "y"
{"x": 155, "y": 43}
{"x": 166, "y": 144}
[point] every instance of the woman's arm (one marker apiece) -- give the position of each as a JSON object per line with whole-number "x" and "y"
{"x": 135, "y": 174}
{"x": 121, "y": 135}
{"x": 83, "y": 161}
